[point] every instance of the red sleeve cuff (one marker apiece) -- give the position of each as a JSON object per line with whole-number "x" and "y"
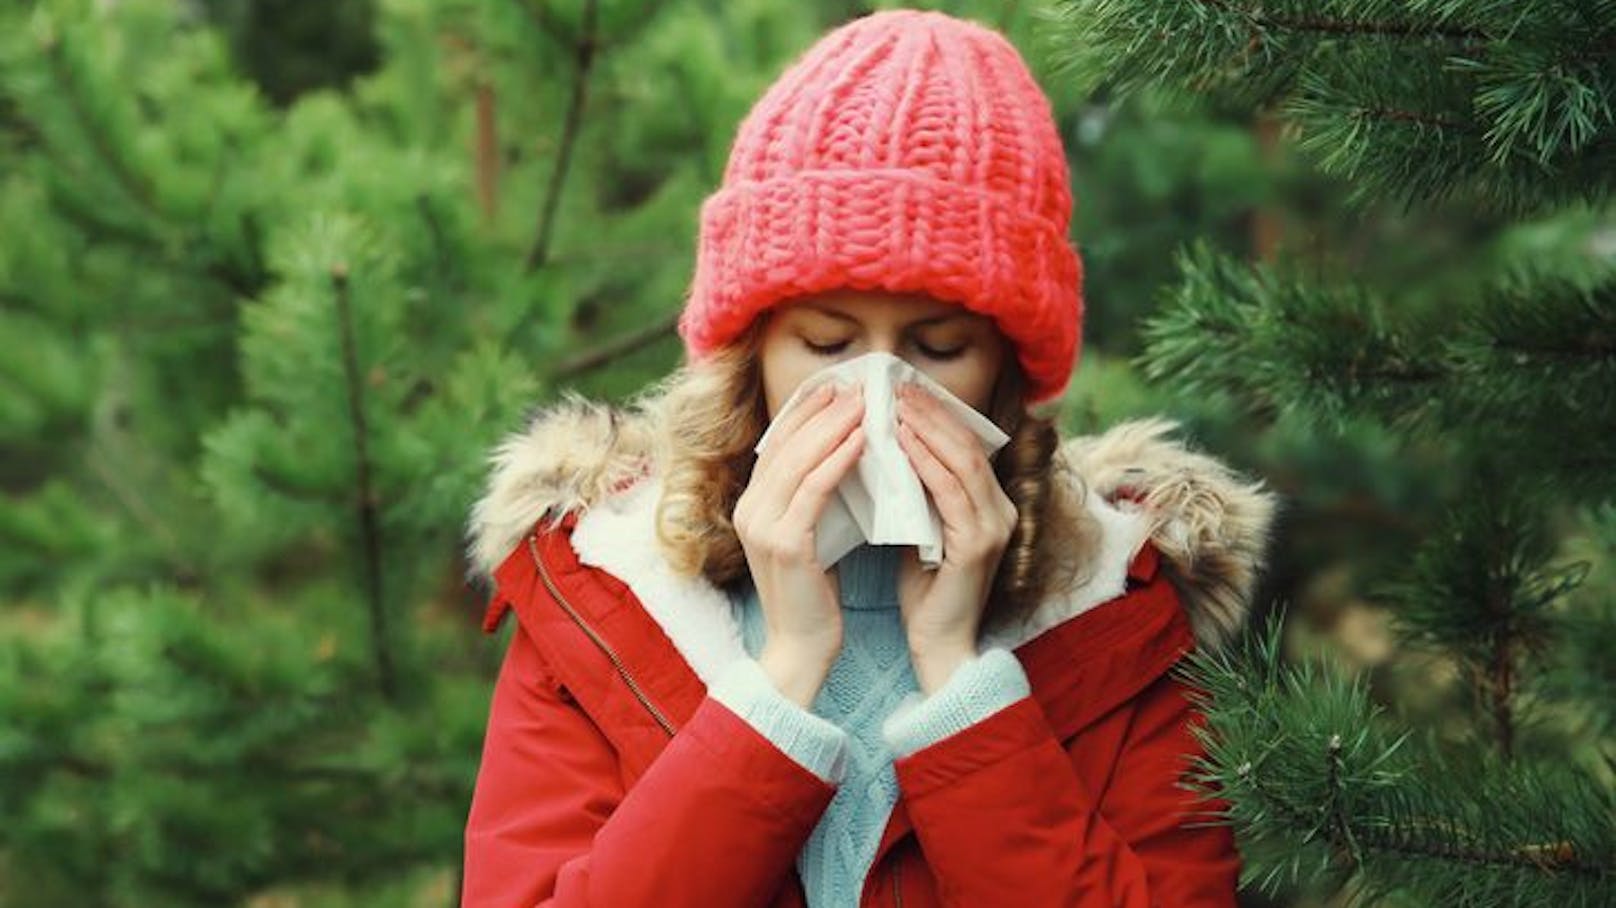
{"x": 1011, "y": 730}
{"x": 750, "y": 758}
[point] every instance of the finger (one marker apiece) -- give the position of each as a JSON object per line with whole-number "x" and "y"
{"x": 919, "y": 399}
{"x": 963, "y": 457}
{"x": 788, "y": 422}
{"x": 807, "y": 448}
{"x": 817, "y": 487}
{"x": 953, "y": 502}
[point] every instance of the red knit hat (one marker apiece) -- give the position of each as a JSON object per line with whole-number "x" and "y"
{"x": 909, "y": 151}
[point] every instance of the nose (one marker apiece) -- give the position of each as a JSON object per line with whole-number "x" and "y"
{"x": 881, "y": 345}
{"x": 884, "y": 343}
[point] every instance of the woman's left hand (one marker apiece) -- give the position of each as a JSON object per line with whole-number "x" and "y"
{"x": 942, "y": 609}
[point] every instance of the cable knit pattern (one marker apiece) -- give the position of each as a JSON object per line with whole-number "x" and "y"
{"x": 906, "y": 150}
{"x": 848, "y": 736}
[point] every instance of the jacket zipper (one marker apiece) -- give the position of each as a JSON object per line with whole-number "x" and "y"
{"x": 622, "y": 670}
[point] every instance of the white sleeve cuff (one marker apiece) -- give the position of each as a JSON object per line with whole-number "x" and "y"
{"x": 815, "y": 742}
{"x": 979, "y": 687}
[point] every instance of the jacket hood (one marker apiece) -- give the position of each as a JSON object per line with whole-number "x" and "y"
{"x": 1210, "y": 526}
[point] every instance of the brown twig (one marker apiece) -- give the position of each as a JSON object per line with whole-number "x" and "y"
{"x": 486, "y": 162}
{"x": 365, "y": 496}
{"x": 1558, "y": 856}
{"x": 616, "y": 348}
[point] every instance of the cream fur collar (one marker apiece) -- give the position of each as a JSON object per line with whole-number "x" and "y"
{"x": 1210, "y": 526}
{"x": 619, "y": 536}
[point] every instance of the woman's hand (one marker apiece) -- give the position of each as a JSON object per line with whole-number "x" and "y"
{"x": 795, "y": 474}
{"x": 942, "y": 609}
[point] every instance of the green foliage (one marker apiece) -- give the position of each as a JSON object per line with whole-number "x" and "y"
{"x": 1580, "y": 674}
{"x": 1489, "y": 366}
{"x": 1328, "y": 794}
{"x": 1145, "y": 176}
{"x": 274, "y": 281}
{"x": 1283, "y": 347}
{"x": 267, "y": 304}
{"x": 294, "y": 48}
{"x": 1505, "y": 103}
{"x": 1533, "y": 357}
{"x": 260, "y": 355}
{"x": 148, "y": 740}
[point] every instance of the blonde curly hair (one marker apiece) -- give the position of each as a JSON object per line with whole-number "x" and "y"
{"x": 711, "y": 412}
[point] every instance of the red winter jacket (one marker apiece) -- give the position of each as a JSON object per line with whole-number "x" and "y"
{"x": 610, "y": 778}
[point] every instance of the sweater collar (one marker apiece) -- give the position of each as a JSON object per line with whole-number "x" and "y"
{"x": 867, "y": 577}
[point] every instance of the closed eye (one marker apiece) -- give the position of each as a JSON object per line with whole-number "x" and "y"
{"x": 836, "y": 348}
{"x": 825, "y": 349}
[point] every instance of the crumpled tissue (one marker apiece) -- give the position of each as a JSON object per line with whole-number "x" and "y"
{"x": 882, "y": 500}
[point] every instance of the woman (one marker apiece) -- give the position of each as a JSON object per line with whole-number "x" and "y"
{"x": 693, "y": 711}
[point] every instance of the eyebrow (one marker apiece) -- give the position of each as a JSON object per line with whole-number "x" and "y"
{"x": 929, "y": 320}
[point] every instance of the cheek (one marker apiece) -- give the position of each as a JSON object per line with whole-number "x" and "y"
{"x": 970, "y": 379}
{"x": 783, "y": 369}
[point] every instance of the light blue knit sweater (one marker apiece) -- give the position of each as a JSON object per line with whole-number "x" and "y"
{"x": 868, "y": 712}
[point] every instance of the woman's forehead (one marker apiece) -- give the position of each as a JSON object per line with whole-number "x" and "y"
{"x": 881, "y": 305}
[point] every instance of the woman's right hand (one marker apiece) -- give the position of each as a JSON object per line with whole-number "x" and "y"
{"x": 808, "y": 454}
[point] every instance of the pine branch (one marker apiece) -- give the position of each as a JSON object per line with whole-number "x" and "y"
{"x": 1482, "y": 586}
{"x": 1281, "y": 345}
{"x": 1512, "y": 105}
{"x": 1444, "y": 841}
{"x": 1534, "y": 358}
{"x": 615, "y": 349}
{"x": 1418, "y": 137}
{"x": 1311, "y": 779}
{"x": 133, "y": 184}
{"x": 153, "y": 234}
{"x": 584, "y": 50}
{"x": 1262, "y": 21}
{"x": 365, "y": 496}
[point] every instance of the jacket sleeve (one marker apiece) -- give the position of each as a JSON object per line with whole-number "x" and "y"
{"x": 999, "y": 807}
{"x": 716, "y": 820}
{"x": 813, "y": 741}
{"x": 983, "y": 685}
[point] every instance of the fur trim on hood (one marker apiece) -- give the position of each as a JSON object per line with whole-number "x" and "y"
{"x": 1210, "y": 525}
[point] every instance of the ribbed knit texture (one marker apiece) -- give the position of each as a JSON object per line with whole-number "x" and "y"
{"x": 868, "y": 711}
{"x": 907, "y": 150}
{"x": 977, "y": 689}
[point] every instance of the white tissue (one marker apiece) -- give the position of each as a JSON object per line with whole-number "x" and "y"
{"x": 881, "y": 500}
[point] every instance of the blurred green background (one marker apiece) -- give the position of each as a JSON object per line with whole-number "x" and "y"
{"x": 276, "y": 275}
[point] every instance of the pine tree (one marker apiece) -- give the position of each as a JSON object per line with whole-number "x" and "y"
{"x": 1497, "y": 390}
{"x": 262, "y": 328}
{"x": 273, "y": 283}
